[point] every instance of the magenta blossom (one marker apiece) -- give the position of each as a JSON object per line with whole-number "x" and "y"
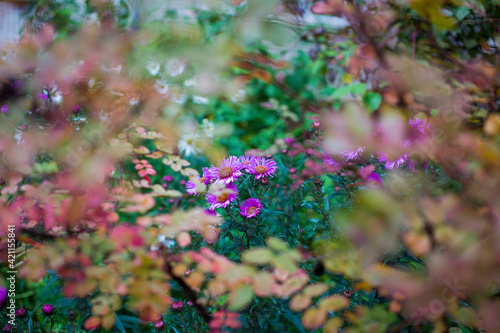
{"x": 191, "y": 186}
{"x": 420, "y": 125}
{"x": 222, "y": 198}
{"x": 3, "y": 295}
{"x": 227, "y": 172}
{"x": 206, "y": 175}
{"x": 262, "y": 167}
{"x": 374, "y": 180}
{"x": 7, "y": 328}
{"x": 177, "y": 306}
{"x": 20, "y": 312}
{"x": 328, "y": 160}
{"x": 4, "y": 109}
{"x": 210, "y": 212}
{"x": 159, "y": 324}
{"x": 246, "y": 160}
{"x": 48, "y": 309}
{"x": 352, "y": 154}
{"x": 250, "y": 208}
{"x": 418, "y": 130}
{"x": 392, "y": 163}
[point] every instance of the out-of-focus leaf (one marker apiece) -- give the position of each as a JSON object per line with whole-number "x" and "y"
{"x": 240, "y": 297}
{"x": 313, "y": 318}
{"x": 334, "y": 303}
{"x": 259, "y": 256}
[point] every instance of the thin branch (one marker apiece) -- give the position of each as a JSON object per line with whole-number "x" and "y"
{"x": 202, "y": 311}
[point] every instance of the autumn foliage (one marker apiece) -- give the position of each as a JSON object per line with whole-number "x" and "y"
{"x": 243, "y": 168}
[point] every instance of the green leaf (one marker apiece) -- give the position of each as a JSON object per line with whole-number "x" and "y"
{"x": 358, "y": 89}
{"x": 260, "y": 256}
{"x": 241, "y": 297}
{"x": 372, "y": 101}
{"x": 294, "y": 320}
{"x": 119, "y": 324}
{"x": 341, "y": 92}
{"x": 276, "y": 244}
{"x": 462, "y": 12}
{"x": 284, "y": 263}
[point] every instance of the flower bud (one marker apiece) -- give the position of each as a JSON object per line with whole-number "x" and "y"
{"x": 20, "y": 312}
{"x": 71, "y": 315}
{"x": 48, "y": 309}
{"x": 177, "y": 306}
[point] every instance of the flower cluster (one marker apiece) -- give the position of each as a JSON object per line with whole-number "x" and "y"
{"x": 220, "y": 181}
{"x": 418, "y": 131}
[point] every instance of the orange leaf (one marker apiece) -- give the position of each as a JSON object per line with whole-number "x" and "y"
{"x": 300, "y": 302}
{"x": 313, "y": 318}
{"x": 92, "y": 323}
{"x": 334, "y": 303}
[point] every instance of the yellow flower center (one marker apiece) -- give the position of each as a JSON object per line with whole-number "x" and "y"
{"x": 225, "y": 172}
{"x": 202, "y": 179}
{"x": 222, "y": 198}
{"x": 251, "y": 210}
{"x": 260, "y": 169}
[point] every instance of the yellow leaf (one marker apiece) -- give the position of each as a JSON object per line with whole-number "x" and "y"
{"x": 259, "y": 256}
{"x": 332, "y": 325}
{"x": 108, "y": 321}
{"x": 241, "y": 297}
{"x": 315, "y": 290}
{"x": 300, "y": 302}
{"x": 313, "y": 318}
{"x": 334, "y": 303}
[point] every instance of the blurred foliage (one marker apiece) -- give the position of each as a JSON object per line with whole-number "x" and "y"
{"x": 382, "y": 118}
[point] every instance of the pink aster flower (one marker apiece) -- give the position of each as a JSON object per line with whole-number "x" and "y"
{"x": 352, "y": 154}
{"x": 250, "y": 208}
{"x": 418, "y": 130}
{"x": 328, "y": 160}
{"x": 392, "y": 163}
{"x": 246, "y": 160}
{"x": 262, "y": 167}
{"x": 222, "y": 198}
{"x": 419, "y": 124}
{"x": 374, "y": 180}
{"x": 210, "y": 212}
{"x": 206, "y": 175}
{"x": 191, "y": 186}
{"x": 228, "y": 170}
{"x": 159, "y": 324}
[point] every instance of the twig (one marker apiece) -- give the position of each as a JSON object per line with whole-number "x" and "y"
{"x": 187, "y": 289}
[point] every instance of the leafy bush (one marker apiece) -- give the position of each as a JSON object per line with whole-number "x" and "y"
{"x": 249, "y": 166}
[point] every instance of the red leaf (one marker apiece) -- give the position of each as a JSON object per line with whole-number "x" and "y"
{"x": 92, "y": 323}
{"x": 322, "y": 8}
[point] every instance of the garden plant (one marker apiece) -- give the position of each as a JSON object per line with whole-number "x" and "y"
{"x": 251, "y": 166}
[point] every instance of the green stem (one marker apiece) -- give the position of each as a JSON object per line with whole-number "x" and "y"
{"x": 183, "y": 323}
